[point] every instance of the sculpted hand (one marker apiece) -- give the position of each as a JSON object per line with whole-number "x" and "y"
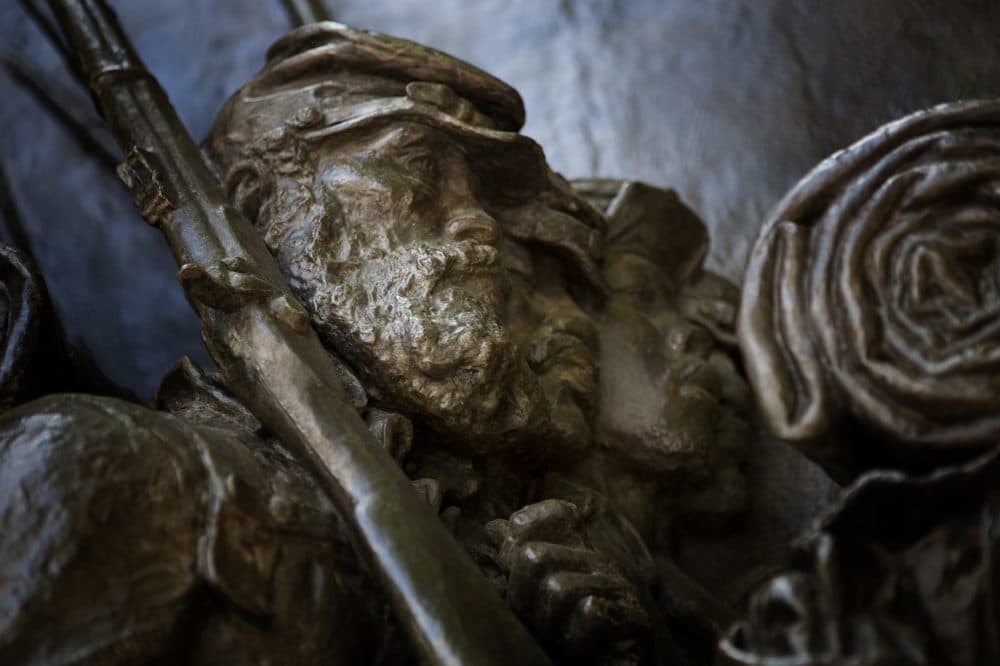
{"x": 573, "y": 598}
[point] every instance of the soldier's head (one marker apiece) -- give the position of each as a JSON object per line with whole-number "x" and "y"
{"x": 430, "y": 241}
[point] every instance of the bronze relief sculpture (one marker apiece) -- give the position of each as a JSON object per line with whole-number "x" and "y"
{"x": 393, "y": 281}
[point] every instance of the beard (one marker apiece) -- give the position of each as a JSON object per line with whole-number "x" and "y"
{"x": 562, "y": 353}
{"x": 423, "y": 326}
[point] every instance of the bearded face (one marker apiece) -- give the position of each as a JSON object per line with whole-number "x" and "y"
{"x": 424, "y": 322}
{"x": 406, "y": 275}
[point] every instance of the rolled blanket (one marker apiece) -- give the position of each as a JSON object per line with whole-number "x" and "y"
{"x": 872, "y": 296}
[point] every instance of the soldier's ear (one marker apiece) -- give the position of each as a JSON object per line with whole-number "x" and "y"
{"x": 244, "y": 187}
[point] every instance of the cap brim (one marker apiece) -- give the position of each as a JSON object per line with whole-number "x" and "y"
{"x": 511, "y": 167}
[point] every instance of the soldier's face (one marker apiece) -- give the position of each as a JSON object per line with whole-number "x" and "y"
{"x": 404, "y": 275}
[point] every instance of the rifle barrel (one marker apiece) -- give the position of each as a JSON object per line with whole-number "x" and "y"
{"x": 260, "y": 337}
{"x": 302, "y": 12}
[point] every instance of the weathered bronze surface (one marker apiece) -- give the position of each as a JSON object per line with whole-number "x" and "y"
{"x": 873, "y": 295}
{"x": 467, "y": 411}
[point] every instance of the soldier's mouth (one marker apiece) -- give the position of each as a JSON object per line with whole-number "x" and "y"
{"x": 467, "y": 264}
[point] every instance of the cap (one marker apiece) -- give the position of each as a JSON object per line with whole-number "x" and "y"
{"x": 326, "y": 79}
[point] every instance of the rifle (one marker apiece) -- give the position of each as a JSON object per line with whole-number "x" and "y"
{"x": 271, "y": 358}
{"x": 305, "y": 11}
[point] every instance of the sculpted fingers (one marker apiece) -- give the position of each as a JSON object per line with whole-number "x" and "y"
{"x": 569, "y": 597}
{"x": 531, "y": 567}
{"x": 600, "y": 618}
{"x": 551, "y": 520}
{"x": 620, "y": 627}
{"x": 576, "y": 601}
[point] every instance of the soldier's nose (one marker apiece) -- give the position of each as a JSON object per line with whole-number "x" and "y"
{"x": 475, "y": 225}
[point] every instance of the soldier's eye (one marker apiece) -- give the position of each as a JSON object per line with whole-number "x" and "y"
{"x": 421, "y": 165}
{"x": 422, "y": 174}
{"x": 423, "y": 189}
